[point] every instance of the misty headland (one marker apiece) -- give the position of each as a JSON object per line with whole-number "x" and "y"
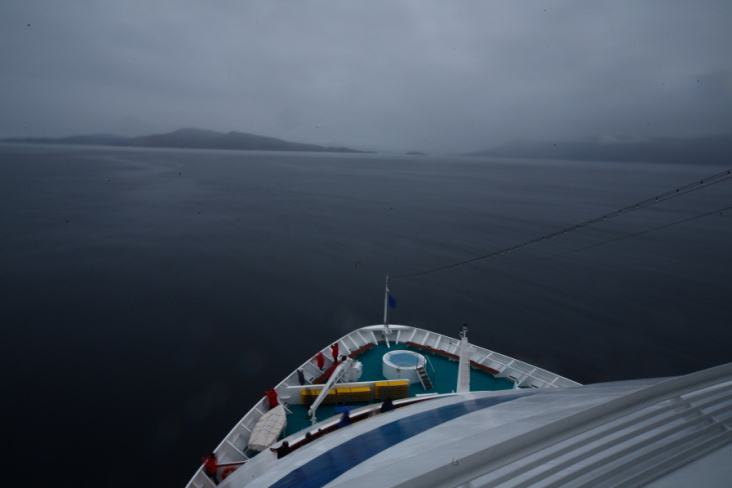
{"x": 709, "y": 150}
{"x": 189, "y": 138}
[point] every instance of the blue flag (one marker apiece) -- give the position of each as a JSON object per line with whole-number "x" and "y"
{"x": 392, "y": 302}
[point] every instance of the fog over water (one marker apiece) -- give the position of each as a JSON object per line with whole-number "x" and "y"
{"x": 149, "y": 297}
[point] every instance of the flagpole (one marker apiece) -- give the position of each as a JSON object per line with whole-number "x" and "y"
{"x": 386, "y": 301}
{"x": 385, "y": 333}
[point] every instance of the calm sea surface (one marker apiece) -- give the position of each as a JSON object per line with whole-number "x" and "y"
{"x": 149, "y": 297}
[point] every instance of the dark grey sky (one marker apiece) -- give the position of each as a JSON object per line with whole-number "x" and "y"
{"x": 441, "y": 77}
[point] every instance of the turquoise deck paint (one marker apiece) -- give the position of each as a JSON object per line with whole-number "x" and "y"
{"x": 441, "y": 370}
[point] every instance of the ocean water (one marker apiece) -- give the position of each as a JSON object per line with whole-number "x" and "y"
{"x": 149, "y": 297}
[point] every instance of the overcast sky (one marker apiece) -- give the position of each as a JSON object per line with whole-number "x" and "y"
{"x": 448, "y": 76}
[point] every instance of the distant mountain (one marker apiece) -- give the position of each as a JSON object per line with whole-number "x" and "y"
{"x": 703, "y": 150}
{"x": 182, "y": 138}
{"x": 191, "y": 139}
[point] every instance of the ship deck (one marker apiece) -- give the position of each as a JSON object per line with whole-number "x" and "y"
{"x": 488, "y": 371}
{"x": 663, "y": 432}
{"x": 443, "y": 372}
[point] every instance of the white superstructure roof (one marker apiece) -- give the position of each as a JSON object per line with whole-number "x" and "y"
{"x": 633, "y": 433}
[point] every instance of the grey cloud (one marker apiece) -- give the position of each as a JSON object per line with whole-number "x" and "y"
{"x": 434, "y": 76}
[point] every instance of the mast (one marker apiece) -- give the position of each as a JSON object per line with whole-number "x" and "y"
{"x": 386, "y": 330}
{"x": 463, "y": 382}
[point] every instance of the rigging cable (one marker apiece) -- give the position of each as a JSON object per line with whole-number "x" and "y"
{"x": 636, "y": 234}
{"x": 683, "y": 190}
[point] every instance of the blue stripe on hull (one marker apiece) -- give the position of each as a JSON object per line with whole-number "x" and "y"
{"x": 328, "y": 466}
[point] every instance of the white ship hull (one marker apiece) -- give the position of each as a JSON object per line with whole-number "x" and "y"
{"x": 546, "y": 431}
